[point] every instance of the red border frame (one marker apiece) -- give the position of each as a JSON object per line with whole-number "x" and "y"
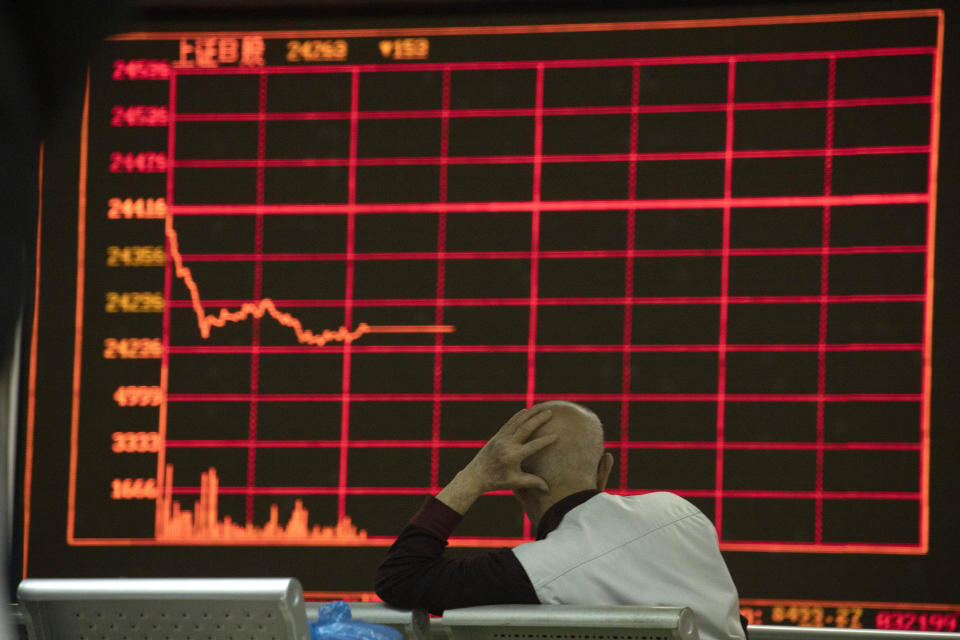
{"x": 920, "y": 548}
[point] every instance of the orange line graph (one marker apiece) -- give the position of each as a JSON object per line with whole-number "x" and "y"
{"x": 203, "y": 524}
{"x": 266, "y": 306}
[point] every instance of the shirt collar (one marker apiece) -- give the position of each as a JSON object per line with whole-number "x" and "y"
{"x": 551, "y": 519}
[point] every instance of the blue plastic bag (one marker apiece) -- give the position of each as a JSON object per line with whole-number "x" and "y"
{"x": 334, "y": 623}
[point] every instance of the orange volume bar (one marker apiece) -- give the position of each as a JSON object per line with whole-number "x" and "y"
{"x": 203, "y": 524}
{"x": 266, "y": 307}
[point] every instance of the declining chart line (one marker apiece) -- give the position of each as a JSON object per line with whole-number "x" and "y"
{"x": 266, "y": 306}
{"x": 203, "y": 522}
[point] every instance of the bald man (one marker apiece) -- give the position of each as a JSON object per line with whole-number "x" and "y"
{"x": 592, "y": 547}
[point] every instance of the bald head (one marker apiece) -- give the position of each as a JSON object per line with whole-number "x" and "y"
{"x": 571, "y": 462}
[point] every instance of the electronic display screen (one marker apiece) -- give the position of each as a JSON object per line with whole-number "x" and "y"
{"x": 289, "y": 281}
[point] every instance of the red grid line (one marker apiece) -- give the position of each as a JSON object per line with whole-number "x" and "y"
{"x": 553, "y": 348}
{"x": 476, "y": 444}
{"x": 824, "y": 293}
{"x": 569, "y": 64}
{"x": 724, "y": 303}
{"x": 542, "y": 397}
{"x": 159, "y": 514}
{"x": 520, "y": 112}
{"x": 556, "y": 205}
{"x": 805, "y": 495}
{"x": 522, "y": 302}
{"x": 688, "y": 493}
{"x": 780, "y": 446}
{"x": 535, "y": 245}
{"x": 628, "y": 282}
{"x": 348, "y": 297}
{"x": 628, "y": 253}
{"x": 534, "y": 253}
{"x": 546, "y": 158}
{"x": 436, "y": 412}
{"x": 257, "y": 293}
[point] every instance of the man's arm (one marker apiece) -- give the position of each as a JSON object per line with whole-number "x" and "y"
{"x": 415, "y": 574}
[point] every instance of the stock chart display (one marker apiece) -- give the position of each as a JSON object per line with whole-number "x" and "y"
{"x": 290, "y": 281}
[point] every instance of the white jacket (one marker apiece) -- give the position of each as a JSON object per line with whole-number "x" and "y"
{"x": 652, "y": 549}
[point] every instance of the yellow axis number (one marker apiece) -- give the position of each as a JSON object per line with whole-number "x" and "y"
{"x": 136, "y": 208}
{"x": 135, "y": 442}
{"x": 134, "y": 302}
{"x": 135, "y": 256}
{"x": 138, "y": 396}
{"x": 133, "y": 489}
{"x": 132, "y": 348}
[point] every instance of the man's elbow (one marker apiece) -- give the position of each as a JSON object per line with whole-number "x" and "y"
{"x": 397, "y": 600}
{"x": 396, "y": 592}
{"x": 391, "y": 596}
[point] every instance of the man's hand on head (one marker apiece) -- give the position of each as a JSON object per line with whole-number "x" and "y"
{"x": 497, "y": 464}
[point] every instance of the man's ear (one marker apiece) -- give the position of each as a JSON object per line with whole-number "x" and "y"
{"x": 603, "y": 470}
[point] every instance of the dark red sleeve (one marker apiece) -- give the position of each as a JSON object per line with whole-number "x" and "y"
{"x": 416, "y": 575}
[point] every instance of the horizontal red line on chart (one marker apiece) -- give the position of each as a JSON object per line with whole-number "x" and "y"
{"x": 770, "y": 446}
{"x": 523, "y": 302}
{"x": 550, "y": 205}
{"x": 792, "y": 494}
{"x": 476, "y": 542}
{"x": 323, "y": 444}
{"x": 192, "y": 541}
{"x": 540, "y": 397}
{"x": 548, "y": 111}
{"x": 526, "y": 255}
{"x": 820, "y": 547}
{"x": 562, "y": 64}
{"x": 320, "y": 491}
{"x": 688, "y": 493}
{"x": 545, "y": 158}
{"x": 557, "y": 348}
{"x": 476, "y": 444}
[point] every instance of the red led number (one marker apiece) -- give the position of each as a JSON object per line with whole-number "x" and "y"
{"x": 139, "y": 116}
{"x": 144, "y": 162}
